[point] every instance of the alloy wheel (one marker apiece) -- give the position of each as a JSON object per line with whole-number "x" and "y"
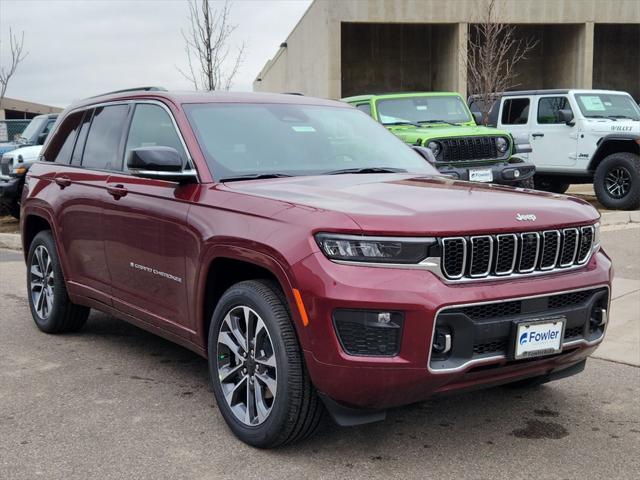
{"x": 618, "y": 182}
{"x": 41, "y": 282}
{"x": 247, "y": 367}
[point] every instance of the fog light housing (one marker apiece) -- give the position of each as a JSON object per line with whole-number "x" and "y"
{"x": 441, "y": 341}
{"x": 598, "y": 319}
{"x": 516, "y": 173}
{"x": 369, "y": 332}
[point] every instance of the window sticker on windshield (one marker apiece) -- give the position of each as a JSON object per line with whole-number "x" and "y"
{"x": 421, "y": 107}
{"x": 303, "y": 128}
{"x": 592, "y": 103}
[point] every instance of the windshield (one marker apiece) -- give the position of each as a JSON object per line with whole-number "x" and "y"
{"x": 448, "y": 109}
{"x": 269, "y": 139}
{"x": 604, "y": 105}
{"x": 33, "y": 127}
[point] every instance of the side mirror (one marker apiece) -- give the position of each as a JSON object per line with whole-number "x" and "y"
{"x": 477, "y": 116}
{"x": 566, "y": 116}
{"x": 425, "y": 153}
{"x": 163, "y": 163}
{"x": 41, "y": 138}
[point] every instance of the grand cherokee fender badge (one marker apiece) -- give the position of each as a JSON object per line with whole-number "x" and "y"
{"x": 526, "y": 217}
{"x": 154, "y": 271}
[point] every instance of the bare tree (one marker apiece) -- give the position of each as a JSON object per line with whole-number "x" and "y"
{"x": 494, "y": 50}
{"x": 210, "y": 66}
{"x": 16, "y": 44}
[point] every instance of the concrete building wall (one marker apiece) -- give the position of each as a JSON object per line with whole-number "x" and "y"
{"x": 565, "y": 56}
{"x": 616, "y": 58}
{"x": 12, "y": 109}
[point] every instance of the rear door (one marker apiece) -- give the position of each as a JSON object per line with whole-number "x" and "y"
{"x": 146, "y": 232}
{"x": 514, "y": 117}
{"x": 95, "y": 137}
{"x": 554, "y": 142}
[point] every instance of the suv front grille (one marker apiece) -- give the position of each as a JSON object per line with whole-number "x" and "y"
{"x": 485, "y": 256}
{"x": 468, "y": 148}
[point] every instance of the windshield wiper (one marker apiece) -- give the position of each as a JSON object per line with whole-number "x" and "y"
{"x": 366, "y": 170}
{"x": 439, "y": 121}
{"x": 402, "y": 123}
{"x": 621, "y": 116}
{"x": 255, "y": 176}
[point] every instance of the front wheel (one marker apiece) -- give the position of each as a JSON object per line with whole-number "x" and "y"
{"x": 51, "y": 309}
{"x": 549, "y": 185}
{"x": 617, "y": 181}
{"x": 259, "y": 378}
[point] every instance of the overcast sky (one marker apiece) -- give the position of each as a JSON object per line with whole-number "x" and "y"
{"x": 79, "y": 48}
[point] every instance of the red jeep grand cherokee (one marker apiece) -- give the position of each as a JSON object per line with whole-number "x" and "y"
{"x": 317, "y": 261}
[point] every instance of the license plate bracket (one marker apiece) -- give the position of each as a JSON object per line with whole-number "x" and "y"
{"x": 537, "y": 337}
{"x": 480, "y": 175}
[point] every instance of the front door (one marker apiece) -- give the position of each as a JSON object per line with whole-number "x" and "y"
{"x": 146, "y": 234}
{"x": 554, "y": 143}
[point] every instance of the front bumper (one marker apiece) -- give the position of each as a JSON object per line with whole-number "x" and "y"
{"x": 10, "y": 189}
{"x": 503, "y": 174}
{"x": 371, "y": 382}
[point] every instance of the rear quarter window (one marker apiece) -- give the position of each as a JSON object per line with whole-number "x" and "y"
{"x": 63, "y": 140}
{"x": 515, "y": 111}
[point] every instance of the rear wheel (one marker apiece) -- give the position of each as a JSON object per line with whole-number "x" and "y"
{"x": 259, "y": 378}
{"x": 51, "y": 309}
{"x": 617, "y": 181}
{"x": 550, "y": 185}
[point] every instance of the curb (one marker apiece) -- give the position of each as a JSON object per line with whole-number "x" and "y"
{"x": 11, "y": 241}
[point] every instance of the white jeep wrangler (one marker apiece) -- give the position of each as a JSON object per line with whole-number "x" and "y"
{"x": 577, "y": 136}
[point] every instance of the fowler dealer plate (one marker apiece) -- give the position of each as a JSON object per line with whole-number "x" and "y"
{"x": 480, "y": 175}
{"x": 539, "y": 337}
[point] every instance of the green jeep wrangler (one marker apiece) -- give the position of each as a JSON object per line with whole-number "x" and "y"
{"x": 442, "y": 122}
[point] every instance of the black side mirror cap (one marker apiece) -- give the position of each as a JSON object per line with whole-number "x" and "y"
{"x": 164, "y": 163}
{"x": 566, "y": 116}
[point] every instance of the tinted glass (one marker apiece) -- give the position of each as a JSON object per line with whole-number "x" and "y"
{"x": 76, "y": 157}
{"x": 48, "y": 126}
{"x": 604, "y": 105}
{"x": 34, "y": 126}
{"x": 448, "y": 108}
{"x": 549, "y": 108}
{"x": 241, "y": 139}
{"x": 61, "y": 146}
{"x": 152, "y": 127}
{"x": 364, "y": 107}
{"x": 103, "y": 141}
{"x": 515, "y": 111}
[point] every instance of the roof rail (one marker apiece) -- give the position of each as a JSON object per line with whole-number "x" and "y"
{"x": 135, "y": 89}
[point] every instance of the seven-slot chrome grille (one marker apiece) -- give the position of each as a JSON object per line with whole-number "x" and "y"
{"x": 483, "y": 256}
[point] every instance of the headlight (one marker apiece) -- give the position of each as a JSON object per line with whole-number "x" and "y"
{"x": 502, "y": 144}
{"x": 434, "y": 147}
{"x": 354, "y": 248}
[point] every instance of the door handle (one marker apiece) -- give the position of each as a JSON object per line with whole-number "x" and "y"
{"x": 117, "y": 191}
{"x": 62, "y": 181}
{"x": 537, "y": 134}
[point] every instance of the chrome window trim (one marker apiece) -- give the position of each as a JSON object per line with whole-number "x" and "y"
{"x": 515, "y": 253}
{"x": 555, "y": 260}
{"x": 464, "y": 257}
{"x": 492, "y": 359}
{"x": 485, "y": 273}
{"x": 593, "y": 234}
{"x": 537, "y": 255}
{"x": 575, "y": 249}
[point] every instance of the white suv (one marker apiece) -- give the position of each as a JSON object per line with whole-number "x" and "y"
{"x": 578, "y": 136}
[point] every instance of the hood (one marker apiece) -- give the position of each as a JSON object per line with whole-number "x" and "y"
{"x": 8, "y": 146}
{"x": 608, "y": 126}
{"x": 445, "y": 131}
{"x": 28, "y": 153}
{"x": 403, "y": 204}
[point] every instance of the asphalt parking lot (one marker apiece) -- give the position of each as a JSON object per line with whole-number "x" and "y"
{"x": 115, "y": 402}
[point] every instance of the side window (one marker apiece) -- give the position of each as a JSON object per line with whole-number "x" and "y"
{"x": 515, "y": 111}
{"x": 364, "y": 107}
{"x": 76, "y": 157}
{"x": 152, "y": 126}
{"x": 101, "y": 151}
{"x": 61, "y": 146}
{"x": 47, "y": 127}
{"x": 549, "y": 107}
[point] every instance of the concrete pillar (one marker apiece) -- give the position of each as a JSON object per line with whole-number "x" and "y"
{"x": 461, "y": 59}
{"x": 586, "y": 60}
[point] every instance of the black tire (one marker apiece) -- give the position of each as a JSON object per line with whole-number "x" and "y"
{"x": 63, "y": 315}
{"x": 628, "y": 166}
{"x": 296, "y": 410}
{"x": 549, "y": 185}
{"x": 528, "y": 183}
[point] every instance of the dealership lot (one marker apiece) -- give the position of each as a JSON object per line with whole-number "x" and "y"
{"x": 116, "y": 402}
